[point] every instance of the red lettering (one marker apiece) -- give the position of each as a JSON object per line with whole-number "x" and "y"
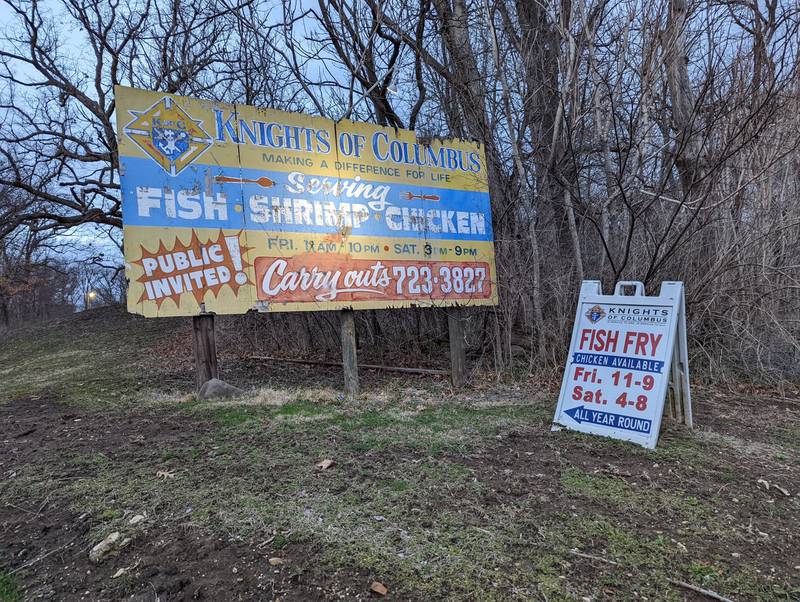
{"x": 630, "y": 338}
{"x": 599, "y": 340}
{"x": 642, "y": 343}
{"x": 655, "y": 339}
{"x": 611, "y": 341}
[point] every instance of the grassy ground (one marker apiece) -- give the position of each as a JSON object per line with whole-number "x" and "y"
{"x": 437, "y": 495}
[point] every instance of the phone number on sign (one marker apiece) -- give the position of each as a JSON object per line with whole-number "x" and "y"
{"x": 458, "y": 279}
{"x": 336, "y": 277}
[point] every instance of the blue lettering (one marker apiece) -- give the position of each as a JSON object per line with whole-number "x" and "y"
{"x": 274, "y": 142}
{"x": 245, "y": 129}
{"x": 406, "y": 154}
{"x": 451, "y": 158}
{"x": 461, "y": 157}
{"x": 376, "y": 149}
{"x": 262, "y": 133}
{"x": 474, "y": 162}
{"x": 436, "y": 159}
{"x": 323, "y": 142}
{"x": 417, "y": 158}
{"x": 292, "y": 137}
{"x": 225, "y": 126}
{"x": 396, "y": 150}
{"x": 345, "y": 144}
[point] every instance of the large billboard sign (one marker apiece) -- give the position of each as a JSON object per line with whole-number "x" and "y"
{"x": 228, "y": 208}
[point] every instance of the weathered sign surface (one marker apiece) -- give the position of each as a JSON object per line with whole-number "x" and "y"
{"x": 620, "y": 360}
{"x": 227, "y": 208}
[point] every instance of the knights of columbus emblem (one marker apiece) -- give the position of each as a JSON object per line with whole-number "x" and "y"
{"x": 168, "y": 135}
{"x": 595, "y": 314}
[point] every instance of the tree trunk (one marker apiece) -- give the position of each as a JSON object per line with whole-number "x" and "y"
{"x": 682, "y": 97}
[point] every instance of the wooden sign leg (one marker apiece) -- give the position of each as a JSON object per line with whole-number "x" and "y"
{"x": 349, "y": 357}
{"x": 204, "y": 345}
{"x": 458, "y": 353}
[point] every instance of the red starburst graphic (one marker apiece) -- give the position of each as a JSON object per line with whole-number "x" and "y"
{"x": 196, "y": 268}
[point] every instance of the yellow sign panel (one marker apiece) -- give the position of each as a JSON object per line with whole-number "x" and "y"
{"x": 229, "y": 208}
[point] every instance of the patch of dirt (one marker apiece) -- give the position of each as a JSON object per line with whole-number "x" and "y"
{"x": 38, "y": 430}
{"x": 749, "y": 417}
{"x": 46, "y": 543}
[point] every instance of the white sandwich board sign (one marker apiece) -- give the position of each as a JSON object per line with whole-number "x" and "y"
{"x": 626, "y": 351}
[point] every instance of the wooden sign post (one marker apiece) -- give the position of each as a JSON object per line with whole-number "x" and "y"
{"x": 349, "y": 354}
{"x": 458, "y": 354}
{"x": 204, "y": 345}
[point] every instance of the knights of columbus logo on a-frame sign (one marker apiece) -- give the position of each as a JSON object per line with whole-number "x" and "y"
{"x": 168, "y": 135}
{"x": 595, "y": 314}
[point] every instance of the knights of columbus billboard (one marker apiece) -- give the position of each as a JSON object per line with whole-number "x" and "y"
{"x": 228, "y": 208}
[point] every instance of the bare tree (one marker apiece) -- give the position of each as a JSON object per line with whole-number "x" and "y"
{"x": 57, "y": 102}
{"x": 625, "y": 139}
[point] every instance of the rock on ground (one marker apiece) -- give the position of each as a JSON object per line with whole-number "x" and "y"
{"x": 218, "y": 388}
{"x": 102, "y": 549}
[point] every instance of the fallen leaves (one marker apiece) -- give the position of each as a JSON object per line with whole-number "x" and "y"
{"x": 379, "y": 588}
{"x": 275, "y": 561}
{"x": 767, "y": 485}
{"x": 325, "y": 464}
{"x": 165, "y": 474}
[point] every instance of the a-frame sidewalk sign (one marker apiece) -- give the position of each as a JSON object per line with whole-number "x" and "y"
{"x": 627, "y": 352}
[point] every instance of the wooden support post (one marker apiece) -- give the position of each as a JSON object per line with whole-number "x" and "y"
{"x": 458, "y": 353}
{"x": 204, "y": 345}
{"x": 349, "y": 357}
